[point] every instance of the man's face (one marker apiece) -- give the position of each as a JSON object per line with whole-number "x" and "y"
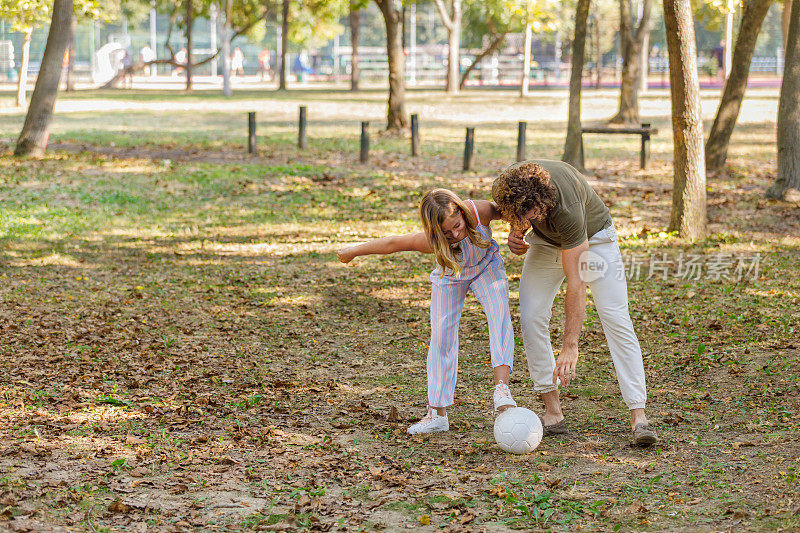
{"x": 529, "y": 216}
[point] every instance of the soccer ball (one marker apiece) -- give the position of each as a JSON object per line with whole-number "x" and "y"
{"x": 517, "y": 430}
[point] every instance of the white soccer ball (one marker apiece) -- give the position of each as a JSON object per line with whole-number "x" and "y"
{"x": 518, "y": 430}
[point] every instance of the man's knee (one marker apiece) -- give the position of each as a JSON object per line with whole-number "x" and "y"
{"x": 535, "y": 316}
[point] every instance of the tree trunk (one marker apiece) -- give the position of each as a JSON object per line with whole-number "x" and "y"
{"x": 598, "y": 64}
{"x": 35, "y": 132}
{"x": 189, "y": 21}
{"x": 688, "y": 215}
{"x": 454, "y": 49}
{"x": 572, "y": 145}
{"x": 355, "y": 25}
{"x": 396, "y": 117}
{"x": 526, "y": 60}
{"x": 494, "y": 45}
{"x": 644, "y": 67}
{"x": 753, "y": 14}
{"x": 785, "y": 17}
{"x": 789, "y": 114}
{"x": 284, "y": 43}
{"x": 70, "y": 83}
{"x": 452, "y": 22}
{"x": 23, "y": 68}
{"x": 728, "y": 56}
{"x": 227, "y": 90}
{"x": 632, "y": 45}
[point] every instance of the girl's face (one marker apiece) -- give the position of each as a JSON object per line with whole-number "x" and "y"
{"x": 454, "y": 227}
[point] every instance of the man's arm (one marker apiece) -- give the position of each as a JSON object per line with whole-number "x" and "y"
{"x": 488, "y": 211}
{"x": 575, "y": 307}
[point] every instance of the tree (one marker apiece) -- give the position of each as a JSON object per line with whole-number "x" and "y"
{"x": 70, "y": 81}
{"x": 308, "y": 23}
{"x": 355, "y": 23}
{"x": 181, "y": 16}
{"x": 396, "y": 116}
{"x": 486, "y": 24}
{"x": 451, "y": 18}
{"x": 35, "y": 132}
{"x": 188, "y": 27}
{"x": 572, "y": 145}
{"x": 602, "y": 37}
{"x": 526, "y": 54}
{"x": 688, "y": 216}
{"x": 22, "y": 82}
{"x": 24, "y": 17}
{"x": 246, "y": 18}
{"x": 227, "y": 90}
{"x": 284, "y": 44}
{"x": 753, "y": 14}
{"x": 785, "y": 17}
{"x": 632, "y": 43}
{"x": 789, "y": 114}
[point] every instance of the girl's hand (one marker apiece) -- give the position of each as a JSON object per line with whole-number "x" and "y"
{"x": 345, "y": 255}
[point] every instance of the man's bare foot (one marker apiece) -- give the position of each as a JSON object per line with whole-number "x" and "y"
{"x": 638, "y": 417}
{"x": 552, "y": 408}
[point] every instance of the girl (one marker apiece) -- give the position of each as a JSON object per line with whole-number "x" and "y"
{"x": 457, "y": 233}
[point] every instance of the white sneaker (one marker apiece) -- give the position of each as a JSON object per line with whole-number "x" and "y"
{"x": 430, "y": 423}
{"x": 502, "y": 398}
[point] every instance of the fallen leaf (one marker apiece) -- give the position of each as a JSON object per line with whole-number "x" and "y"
{"x": 118, "y": 507}
{"x": 133, "y": 440}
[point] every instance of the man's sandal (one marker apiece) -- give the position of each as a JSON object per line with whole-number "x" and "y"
{"x": 559, "y": 428}
{"x": 644, "y": 435}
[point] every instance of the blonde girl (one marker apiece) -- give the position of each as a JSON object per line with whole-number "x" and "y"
{"x": 457, "y": 233}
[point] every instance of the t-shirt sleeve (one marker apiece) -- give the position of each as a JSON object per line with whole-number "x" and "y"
{"x": 571, "y": 224}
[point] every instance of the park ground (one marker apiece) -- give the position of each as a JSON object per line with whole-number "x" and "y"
{"x": 181, "y": 350}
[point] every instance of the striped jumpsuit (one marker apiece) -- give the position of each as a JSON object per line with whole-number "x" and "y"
{"x": 482, "y": 272}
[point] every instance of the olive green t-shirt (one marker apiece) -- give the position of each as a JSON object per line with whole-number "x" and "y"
{"x": 579, "y": 213}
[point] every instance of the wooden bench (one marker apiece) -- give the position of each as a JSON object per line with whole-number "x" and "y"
{"x": 645, "y": 131}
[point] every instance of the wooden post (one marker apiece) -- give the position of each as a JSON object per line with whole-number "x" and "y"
{"x": 644, "y": 155}
{"x": 583, "y": 161}
{"x": 302, "y": 140}
{"x": 251, "y": 132}
{"x": 521, "y": 129}
{"x": 469, "y": 148}
{"x": 364, "y": 155}
{"x": 414, "y": 135}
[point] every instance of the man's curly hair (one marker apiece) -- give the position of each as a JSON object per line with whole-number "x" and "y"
{"x": 522, "y": 188}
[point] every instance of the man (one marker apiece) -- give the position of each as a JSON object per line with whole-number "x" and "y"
{"x": 571, "y": 237}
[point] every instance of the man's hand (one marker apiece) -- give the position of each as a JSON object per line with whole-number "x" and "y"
{"x": 565, "y": 365}
{"x": 516, "y": 242}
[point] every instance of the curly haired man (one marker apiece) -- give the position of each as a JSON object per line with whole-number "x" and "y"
{"x": 572, "y": 237}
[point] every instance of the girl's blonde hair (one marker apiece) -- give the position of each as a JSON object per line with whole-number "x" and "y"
{"x": 436, "y": 206}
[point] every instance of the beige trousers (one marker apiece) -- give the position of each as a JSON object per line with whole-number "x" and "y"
{"x": 542, "y": 275}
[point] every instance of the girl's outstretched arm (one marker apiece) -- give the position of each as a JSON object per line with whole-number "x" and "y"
{"x": 411, "y": 242}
